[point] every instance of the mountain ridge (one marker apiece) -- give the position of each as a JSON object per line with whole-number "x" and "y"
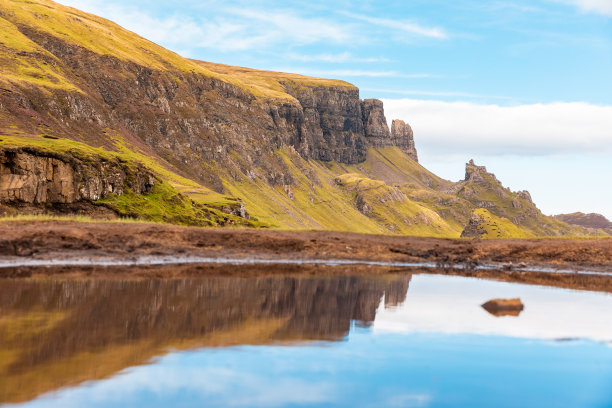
{"x": 242, "y": 146}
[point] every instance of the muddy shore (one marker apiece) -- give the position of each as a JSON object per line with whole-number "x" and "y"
{"x": 61, "y": 239}
{"x": 508, "y": 260}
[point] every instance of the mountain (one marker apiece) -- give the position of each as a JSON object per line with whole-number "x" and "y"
{"x": 96, "y": 120}
{"x": 592, "y": 220}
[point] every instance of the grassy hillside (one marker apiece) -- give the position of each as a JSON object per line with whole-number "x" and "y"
{"x": 24, "y": 60}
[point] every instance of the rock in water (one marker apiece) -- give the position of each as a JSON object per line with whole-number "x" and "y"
{"x": 504, "y": 307}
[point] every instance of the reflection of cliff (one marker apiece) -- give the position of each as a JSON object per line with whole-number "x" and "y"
{"x": 53, "y": 334}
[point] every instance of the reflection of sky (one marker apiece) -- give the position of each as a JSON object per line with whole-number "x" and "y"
{"x": 442, "y": 304}
{"x": 397, "y": 363}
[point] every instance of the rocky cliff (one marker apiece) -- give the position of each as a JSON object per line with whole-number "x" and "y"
{"x": 193, "y": 119}
{"x": 35, "y": 177}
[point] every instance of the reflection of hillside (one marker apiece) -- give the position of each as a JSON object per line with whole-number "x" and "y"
{"x": 57, "y": 333}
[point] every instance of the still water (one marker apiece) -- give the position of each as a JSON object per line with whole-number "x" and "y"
{"x": 386, "y": 341}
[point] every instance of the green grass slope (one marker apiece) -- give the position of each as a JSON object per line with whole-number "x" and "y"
{"x": 24, "y": 60}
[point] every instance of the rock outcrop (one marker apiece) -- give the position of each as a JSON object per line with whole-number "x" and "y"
{"x": 31, "y": 176}
{"x": 375, "y": 124}
{"x": 377, "y": 131}
{"x": 476, "y": 173}
{"x": 474, "y": 228}
{"x": 403, "y": 137}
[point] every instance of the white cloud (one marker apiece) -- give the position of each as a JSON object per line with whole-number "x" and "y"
{"x": 452, "y": 128}
{"x": 593, "y": 6}
{"x": 416, "y": 92}
{"x": 300, "y": 30}
{"x": 343, "y": 73}
{"x": 335, "y": 58}
{"x": 404, "y": 26}
{"x": 233, "y": 29}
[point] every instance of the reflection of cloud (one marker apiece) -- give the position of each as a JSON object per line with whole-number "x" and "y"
{"x": 451, "y": 305}
{"x": 171, "y": 376}
{"x": 408, "y": 400}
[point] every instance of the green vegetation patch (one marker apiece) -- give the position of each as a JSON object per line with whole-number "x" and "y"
{"x": 165, "y": 204}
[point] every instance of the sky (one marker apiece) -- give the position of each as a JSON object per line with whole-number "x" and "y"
{"x": 523, "y": 87}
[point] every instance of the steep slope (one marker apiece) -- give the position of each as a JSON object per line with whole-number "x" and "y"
{"x": 225, "y": 145}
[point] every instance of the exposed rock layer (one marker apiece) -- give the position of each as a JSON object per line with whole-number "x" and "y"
{"x": 35, "y": 177}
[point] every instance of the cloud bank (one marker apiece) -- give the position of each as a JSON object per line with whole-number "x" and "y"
{"x": 464, "y": 128}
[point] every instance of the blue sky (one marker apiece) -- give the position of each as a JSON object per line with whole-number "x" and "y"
{"x": 532, "y": 77}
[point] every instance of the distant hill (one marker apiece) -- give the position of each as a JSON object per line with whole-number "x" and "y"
{"x": 98, "y": 121}
{"x": 592, "y": 220}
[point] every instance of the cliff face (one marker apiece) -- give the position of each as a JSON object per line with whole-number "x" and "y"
{"x": 35, "y": 177}
{"x": 195, "y": 121}
{"x": 329, "y": 126}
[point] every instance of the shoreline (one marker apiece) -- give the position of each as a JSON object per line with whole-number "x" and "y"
{"x": 149, "y": 261}
{"x": 58, "y": 240}
{"x": 136, "y": 250}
